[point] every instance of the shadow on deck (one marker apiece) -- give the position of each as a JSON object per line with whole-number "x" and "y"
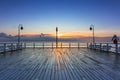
{"x": 59, "y": 64}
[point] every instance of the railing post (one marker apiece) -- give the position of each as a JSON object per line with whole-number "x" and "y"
{"x": 100, "y": 46}
{"x": 52, "y": 45}
{"x": 95, "y": 46}
{"x": 92, "y": 45}
{"x": 20, "y": 45}
{"x": 116, "y": 48}
{"x": 17, "y": 46}
{"x": 11, "y": 46}
{"x": 107, "y": 47}
{"x": 33, "y": 45}
{"x": 25, "y": 45}
{"x": 69, "y": 45}
{"x": 4, "y": 47}
{"x": 61, "y": 44}
{"x": 43, "y": 45}
{"x": 87, "y": 45}
{"x": 78, "y": 45}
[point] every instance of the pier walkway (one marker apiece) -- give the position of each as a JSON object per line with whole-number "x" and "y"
{"x": 59, "y": 64}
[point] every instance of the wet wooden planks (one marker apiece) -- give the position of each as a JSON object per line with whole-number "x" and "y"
{"x": 59, "y": 64}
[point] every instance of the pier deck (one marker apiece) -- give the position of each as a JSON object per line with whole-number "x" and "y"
{"x": 59, "y": 64}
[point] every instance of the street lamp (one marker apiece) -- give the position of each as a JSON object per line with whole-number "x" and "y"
{"x": 20, "y": 27}
{"x": 56, "y": 37}
{"x": 92, "y": 29}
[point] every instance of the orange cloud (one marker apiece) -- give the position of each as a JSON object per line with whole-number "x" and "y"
{"x": 74, "y": 34}
{"x": 87, "y": 33}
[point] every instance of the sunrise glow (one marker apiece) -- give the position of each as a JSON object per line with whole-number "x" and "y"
{"x": 73, "y": 18}
{"x": 60, "y": 35}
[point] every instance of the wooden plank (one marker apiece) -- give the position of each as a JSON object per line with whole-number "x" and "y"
{"x": 59, "y": 64}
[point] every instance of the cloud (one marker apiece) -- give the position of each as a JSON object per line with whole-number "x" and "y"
{"x": 3, "y": 35}
{"x": 49, "y": 38}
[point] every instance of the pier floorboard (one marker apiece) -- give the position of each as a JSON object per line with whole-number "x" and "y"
{"x": 59, "y": 64}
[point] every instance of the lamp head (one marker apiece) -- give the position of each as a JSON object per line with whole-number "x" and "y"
{"x": 90, "y": 28}
{"x": 21, "y": 28}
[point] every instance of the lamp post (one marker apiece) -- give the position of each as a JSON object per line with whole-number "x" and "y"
{"x": 92, "y": 28}
{"x": 56, "y": 37}
{"x": 20, "y": 27}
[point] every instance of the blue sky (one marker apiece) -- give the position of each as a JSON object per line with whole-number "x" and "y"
{"x": 42, "y": 16}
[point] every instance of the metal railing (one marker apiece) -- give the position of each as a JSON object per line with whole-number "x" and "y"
{"x": 108, "y": 47}
{"x": 6, "y": 47}
{"x": 53, "y": 45}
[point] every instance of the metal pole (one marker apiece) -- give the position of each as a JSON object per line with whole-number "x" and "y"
{"x": 24, "y": 45}
{"x": 4, "y": 47}
{"x": 78, "y": 45}
{"x": 92, "y": 28}
{"x": 18, "y": 34}
{"x": 69, "y": 45}
{"x": 87, "y": 45}
{"x": 34, "y": 45}
{"x": 100, "y": 46}
{"x": 20, "y": 27}
{"x": 11, "y": 46}
{"x": 95, "y": 46}
{"x": 61, "y": 44}
{"x": 43, "y": 45}
{"x": 116, "y": 48}
{"x": 93, "y": 35}
{"x": 52, "y": 45}
{"x": 56, "y": 37}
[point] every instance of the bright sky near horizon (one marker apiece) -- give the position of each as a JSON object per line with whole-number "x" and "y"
{"x": 71, "y": 16}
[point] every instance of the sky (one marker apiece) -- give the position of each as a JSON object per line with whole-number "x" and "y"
{"x": 72, "y": 17}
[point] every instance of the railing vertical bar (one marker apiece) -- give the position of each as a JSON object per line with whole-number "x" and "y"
{"x": 34, "y": 45}
{"x": 61, "y": 44}
{"x": 11, "y": 47}
{"x": 87, "y": 45}
{"x": 69, "y": 45}
{"x": 52, "y": 45}
{"x": 116, "y": 48}
{"x": 43, "y": 45}
{"x": 4, "y": 47}
{"x": 95, "y": 46}
{"x": 100, "y": 46}
{"x": 25, "y": 45}
{"x": 107, "y": 47}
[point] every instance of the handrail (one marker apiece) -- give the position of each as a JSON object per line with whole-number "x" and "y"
{"x": 6, "y": 47}
{"x": 53, "y": 45}
{"x": 109, "y": 47}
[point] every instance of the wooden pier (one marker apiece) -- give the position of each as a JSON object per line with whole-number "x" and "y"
{"x": 59, "y": 64}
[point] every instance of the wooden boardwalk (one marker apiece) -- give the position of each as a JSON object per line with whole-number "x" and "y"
{"x": 59, "y": 64}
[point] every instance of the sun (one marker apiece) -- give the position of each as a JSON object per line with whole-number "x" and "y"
{"x": 59, "y": 35}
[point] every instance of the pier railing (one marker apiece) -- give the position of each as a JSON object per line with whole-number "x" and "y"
{"x": 53, "y": 45}
{"x": 108, "y": 47}
{"x": 6, "y": 47}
